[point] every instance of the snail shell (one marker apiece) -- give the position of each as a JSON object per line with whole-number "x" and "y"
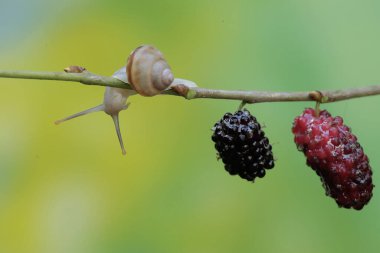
{"x": 148, "y": 72}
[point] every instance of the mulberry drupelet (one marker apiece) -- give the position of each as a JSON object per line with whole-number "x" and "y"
{"x": 242, "y": 145}
{"x": 336, "y": 156}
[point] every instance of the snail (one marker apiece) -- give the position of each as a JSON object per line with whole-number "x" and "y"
{"x": 146, "y": 71}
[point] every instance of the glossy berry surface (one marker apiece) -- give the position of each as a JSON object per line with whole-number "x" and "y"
{"x": 334, "y": 153}
{"x": 242, "y": 145}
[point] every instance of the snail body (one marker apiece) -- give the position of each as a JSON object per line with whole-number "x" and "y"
{"x": 146, "y": 71}
{"x": 115, "y": 100}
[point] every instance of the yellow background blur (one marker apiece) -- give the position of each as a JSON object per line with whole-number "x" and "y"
{"x": 67, "y": 188}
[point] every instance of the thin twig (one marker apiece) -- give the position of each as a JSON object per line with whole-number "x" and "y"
{"x": 193, "y": 93}
{"x": 84, "y": 78}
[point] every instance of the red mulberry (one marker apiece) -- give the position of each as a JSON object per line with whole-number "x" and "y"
{"x": 336, "y": 156}
{"x": 242, "y": 145}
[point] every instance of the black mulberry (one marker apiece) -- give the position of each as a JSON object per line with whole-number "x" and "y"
{"x": 242, "y": 145}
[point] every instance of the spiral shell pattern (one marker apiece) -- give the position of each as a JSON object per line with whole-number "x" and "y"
{"x": 148, "y": 72}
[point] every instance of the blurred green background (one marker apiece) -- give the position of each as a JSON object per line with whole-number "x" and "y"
{"x": 67, "y": 188}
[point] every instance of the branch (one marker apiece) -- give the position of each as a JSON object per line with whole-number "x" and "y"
{"x": 88, "y": 78}
{"x": 84, "y": 78}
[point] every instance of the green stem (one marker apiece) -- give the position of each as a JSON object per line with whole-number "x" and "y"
{"x": 317, "y": 108}
{"x": 241, "y": 106}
